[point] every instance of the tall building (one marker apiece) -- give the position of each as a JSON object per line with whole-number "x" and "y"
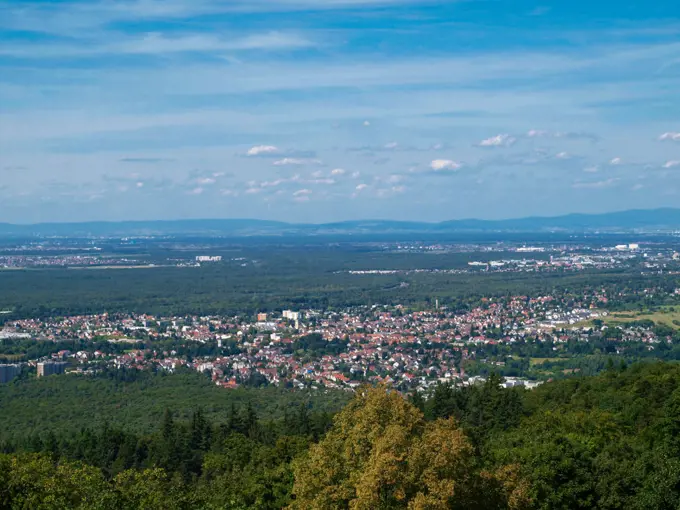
{"x": 9, "y": 372}
{"x": 51, "y": 368}
{"x": 290, "y": 315}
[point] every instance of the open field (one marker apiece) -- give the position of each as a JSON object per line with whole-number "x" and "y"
{"x": 668, "y": 316}
{"x": 540, "y": 361}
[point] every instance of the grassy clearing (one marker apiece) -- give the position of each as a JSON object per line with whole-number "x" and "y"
{"x": 669, "y": 315}
{"x": 539, "y": 361}
{"x": 10, "y": 357}
{"x": 666, "y": 315}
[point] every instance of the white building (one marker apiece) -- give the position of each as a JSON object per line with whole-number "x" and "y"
{"x": 208, "y": 258}
{"x": 290, "y": 315}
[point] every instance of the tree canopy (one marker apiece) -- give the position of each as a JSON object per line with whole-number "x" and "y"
{"x": 382, "y": 454}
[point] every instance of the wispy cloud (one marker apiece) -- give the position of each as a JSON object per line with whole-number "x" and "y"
{"x": 297, "y": 162}
{"x": 99, "y": 13}
{"x": 502, "y": 140}
{"x": 596, "y": 184}
{"x": 262, "y": 150}
{"x": 144, "y": 160}
{"x": 539, "y": 133}
{"x": 155, "y": 43}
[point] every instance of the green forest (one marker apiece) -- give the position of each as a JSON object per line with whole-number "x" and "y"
{"x": 275, "y": 278}
{"x": 610, "y": 441}
{"x": 137, "y": 400}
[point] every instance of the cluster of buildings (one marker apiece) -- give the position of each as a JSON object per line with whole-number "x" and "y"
{"x": 410, "y": 349}
{"x": 46, "y": 368}
{"x": 208, "y": 258}
{"x": 565, "y": 262}
{"x": 24, "y": 261}
{"x": 9, "y": 372}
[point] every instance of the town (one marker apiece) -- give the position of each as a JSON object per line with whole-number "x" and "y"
{"x": 340, "y": 349}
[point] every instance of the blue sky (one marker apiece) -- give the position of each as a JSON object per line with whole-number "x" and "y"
{"x": 325, "y": 110}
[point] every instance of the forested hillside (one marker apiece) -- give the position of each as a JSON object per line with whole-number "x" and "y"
{"x": 606, "y": 442}
{"x": 136, "y": 401}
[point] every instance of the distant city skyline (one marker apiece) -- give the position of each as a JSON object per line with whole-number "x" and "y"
{"x": 331, "y": 110}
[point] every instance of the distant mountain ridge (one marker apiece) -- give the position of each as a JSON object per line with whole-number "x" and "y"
{"x": 665, "y": 220}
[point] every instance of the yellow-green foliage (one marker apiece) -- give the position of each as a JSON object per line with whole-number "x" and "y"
{"x": 381, "y": 454}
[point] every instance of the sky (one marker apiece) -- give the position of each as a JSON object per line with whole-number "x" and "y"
{"x": 329, "y": 110}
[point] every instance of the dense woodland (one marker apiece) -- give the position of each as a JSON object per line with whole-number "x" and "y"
{"x": 609, "y": 442}
{"x": 265, "y": 275}
{"x": 267, "y": 286}
{"x": 137, "y": 400}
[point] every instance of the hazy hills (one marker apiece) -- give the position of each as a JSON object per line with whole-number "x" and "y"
{"x": 654, "y": 220}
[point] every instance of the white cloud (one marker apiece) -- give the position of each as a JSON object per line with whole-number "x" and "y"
{"x": 302, "y": 192}
{"x": 596, "y": 184}
{"x": 356, "y": 175}
{"x": 361, "y": 187}
{"x": 503, "y": 140}
{"x": 59, "y": 17}
{"x": 253, "y": 191}
{"x": 271, "y": 184}
{"x": 367, "y": 123}
{"x": 536, "y": 133}
{"x": 672, "y": 136}
{"x": 591, "y": 169}
{"x": 563, "y": 155}
{"x": 196, "y": 191}
{"x": 206, "y": 180}
{"x": 338, "y": 171}
{"x": 296, "y": 162}
{"x": 398, "y": 189}
{"x": 444, "y": 164}
{"x": 140, "y": 184}
{"x": 671, "y": 164}
{"x": 260, "y": 150}
{"x": 616, "y": 161}
{"x": 540, "y": 133}
{"x": 391, "y": 145}
{"x": 154, "y": 43}
{"x": 270, "y": 40}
